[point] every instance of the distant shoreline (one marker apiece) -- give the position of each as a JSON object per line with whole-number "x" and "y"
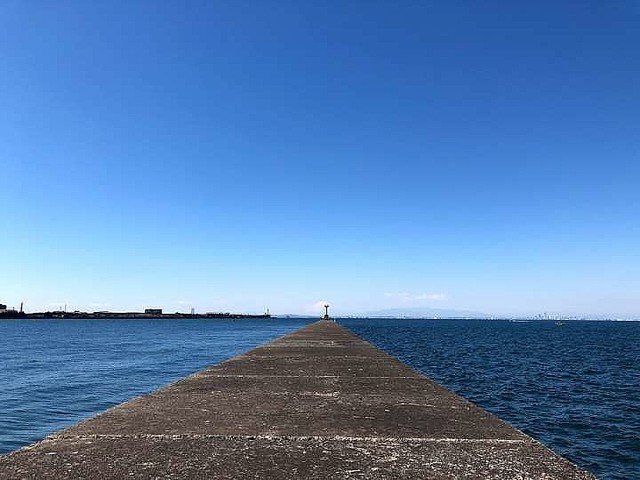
{"x": 14, "y": 315}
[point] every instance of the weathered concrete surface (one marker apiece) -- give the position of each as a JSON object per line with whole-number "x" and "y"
{"x": 318, "y": 403}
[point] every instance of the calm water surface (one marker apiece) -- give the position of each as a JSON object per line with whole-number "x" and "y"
{"x": 54, "y": 373}
{"x": 575, "y": 387}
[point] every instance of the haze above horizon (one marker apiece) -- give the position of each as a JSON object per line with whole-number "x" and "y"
{"x": 238, "y": 155}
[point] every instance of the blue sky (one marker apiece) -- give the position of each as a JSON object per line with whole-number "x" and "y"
{"x": 236, "y": 155}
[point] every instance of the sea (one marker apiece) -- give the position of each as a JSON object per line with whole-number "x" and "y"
{"x": 573, "y": 385}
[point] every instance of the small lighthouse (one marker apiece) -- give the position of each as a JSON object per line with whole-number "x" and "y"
{"x": 326, "y": 314}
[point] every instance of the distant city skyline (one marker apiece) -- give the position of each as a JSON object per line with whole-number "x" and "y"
{"x": 237, "y": 156}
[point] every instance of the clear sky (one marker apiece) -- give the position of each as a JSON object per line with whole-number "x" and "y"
{"x": 234, "y": 155}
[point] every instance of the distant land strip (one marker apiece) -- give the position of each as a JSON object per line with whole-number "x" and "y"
{"x": 13, "y": 314}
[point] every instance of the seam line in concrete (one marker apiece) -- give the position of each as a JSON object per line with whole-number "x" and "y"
{"x": 209, "y": 374}
{"x": 341, "y": 438}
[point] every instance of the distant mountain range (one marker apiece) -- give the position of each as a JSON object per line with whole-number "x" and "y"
{"x": 423, "y": 312}
{"x": 407, "y": 313}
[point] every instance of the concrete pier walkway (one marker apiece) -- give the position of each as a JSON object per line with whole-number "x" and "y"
{"x": 318, "y": 403}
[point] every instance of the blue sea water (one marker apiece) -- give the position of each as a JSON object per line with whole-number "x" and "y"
{"x": 54, "y": 373}
{"x": 575, "y": 387}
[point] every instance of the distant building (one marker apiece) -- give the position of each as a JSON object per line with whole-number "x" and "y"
{"x": 153, "y": 311}
{"x": 2, "y": 307}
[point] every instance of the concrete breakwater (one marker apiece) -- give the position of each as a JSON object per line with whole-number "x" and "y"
{"x": 318, "y": 403}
